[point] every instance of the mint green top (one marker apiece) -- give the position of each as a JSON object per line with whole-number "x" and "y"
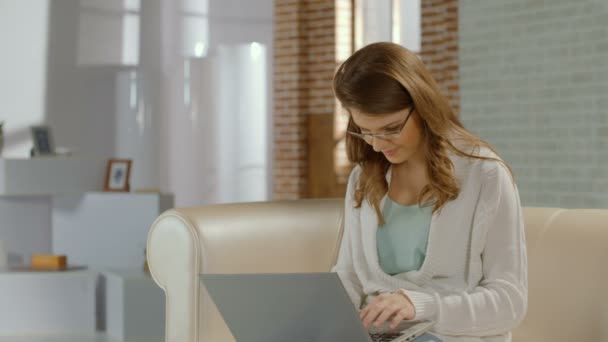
{"x": 402, "y": 240}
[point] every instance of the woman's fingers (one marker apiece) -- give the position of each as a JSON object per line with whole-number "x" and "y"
{"x": 386, "y": 313}
{"x": 393, "y": 307}
{"x": 400, "y": 316}
{"x": 370, "y": 315}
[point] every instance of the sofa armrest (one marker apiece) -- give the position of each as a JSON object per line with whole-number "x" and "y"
{"x": 173, "y": 255}
{"x": 264, "y": 237}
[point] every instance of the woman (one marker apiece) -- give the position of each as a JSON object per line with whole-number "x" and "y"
{"x": 433, "y": 225}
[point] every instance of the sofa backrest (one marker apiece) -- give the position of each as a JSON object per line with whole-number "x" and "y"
{"x": 567, "y": 276}
{"x": 567, "y": 250}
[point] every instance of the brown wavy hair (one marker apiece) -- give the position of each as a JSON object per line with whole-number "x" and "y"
{"x": 384, "y": 78}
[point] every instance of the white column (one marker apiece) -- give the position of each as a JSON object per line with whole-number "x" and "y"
{"x": 242, "y": 123}
{"x": 139, "y": 103}
{"x": 194, "y": 145}
{"x": 410, "y": 35}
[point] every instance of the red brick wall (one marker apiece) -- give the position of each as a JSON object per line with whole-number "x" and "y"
{"x": 439, "y": 21}
{"x": 344, "y": 48}
{"x": 311, "y": 39}
{"x": 305, "y": 60}
{"x": 289, "y": 118}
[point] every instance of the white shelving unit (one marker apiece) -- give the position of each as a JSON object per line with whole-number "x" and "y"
{"x": 56, "y": 205}
{"x": 50, "y": 176}
{"x": 47, "y": 302}
{"x": 27, "y": 189}
{"x": 105, "y": 230}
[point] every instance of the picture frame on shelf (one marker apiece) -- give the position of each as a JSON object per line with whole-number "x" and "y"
{"x": 42, "y": 138}
{"x": 118, "y": 173}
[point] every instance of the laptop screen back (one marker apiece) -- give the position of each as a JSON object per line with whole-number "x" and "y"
{"x": 300, "y": 307}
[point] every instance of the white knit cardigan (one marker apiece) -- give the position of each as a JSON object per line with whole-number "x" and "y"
{"x": 473, "y": 282}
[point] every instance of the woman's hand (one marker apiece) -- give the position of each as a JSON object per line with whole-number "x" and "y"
{"x": 395, "y": 306}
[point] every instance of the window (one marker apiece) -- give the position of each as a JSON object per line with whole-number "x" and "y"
{"x": 108, "y": 32}
{"x": 397, "y": 21}
{"x": 196, "y": 28}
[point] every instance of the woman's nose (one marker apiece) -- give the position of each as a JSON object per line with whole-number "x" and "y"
{"x": 378, "y": 144}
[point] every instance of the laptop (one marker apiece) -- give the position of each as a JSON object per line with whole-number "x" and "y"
{"x": 296, "y": 307}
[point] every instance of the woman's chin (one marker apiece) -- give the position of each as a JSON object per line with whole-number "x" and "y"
{"x": 394, "y": 158}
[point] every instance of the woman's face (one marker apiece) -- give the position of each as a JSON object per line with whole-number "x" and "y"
{"x": 397, "y": 148}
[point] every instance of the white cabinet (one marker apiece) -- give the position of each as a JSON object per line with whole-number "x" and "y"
{"x": 105, "y": 230}
{"x": 47, "y": 302}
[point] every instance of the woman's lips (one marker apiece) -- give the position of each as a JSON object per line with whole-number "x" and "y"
{"x": 390, "y": 152}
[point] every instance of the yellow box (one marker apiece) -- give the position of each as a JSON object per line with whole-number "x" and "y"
{"x": 49, "y": 262}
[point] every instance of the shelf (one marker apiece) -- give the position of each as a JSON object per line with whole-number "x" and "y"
{"x": 43, "y": 176}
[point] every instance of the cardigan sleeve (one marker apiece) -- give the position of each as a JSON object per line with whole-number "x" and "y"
{"x": 344, "y": 265}
{"x": 499, "y": 302}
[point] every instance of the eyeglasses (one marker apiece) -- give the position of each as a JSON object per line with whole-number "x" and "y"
{"x": 390, "y": 135}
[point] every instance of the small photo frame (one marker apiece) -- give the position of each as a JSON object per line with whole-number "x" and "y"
{"x": 118, "y": 173}
{"x": 43, "y": 140}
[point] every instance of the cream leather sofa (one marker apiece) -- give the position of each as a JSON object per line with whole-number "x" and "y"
{"x": 567, "y": 252}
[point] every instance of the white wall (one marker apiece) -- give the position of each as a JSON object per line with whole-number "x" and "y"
{"x": 41, "y": 82}
{"x": 23, "y": 71}
{"x": 80, "y": 100}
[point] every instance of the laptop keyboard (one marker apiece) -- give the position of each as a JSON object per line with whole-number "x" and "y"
{"x": 384, "y": 337}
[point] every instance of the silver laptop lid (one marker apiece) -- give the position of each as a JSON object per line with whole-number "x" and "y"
{"x": 295, "y": 307}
